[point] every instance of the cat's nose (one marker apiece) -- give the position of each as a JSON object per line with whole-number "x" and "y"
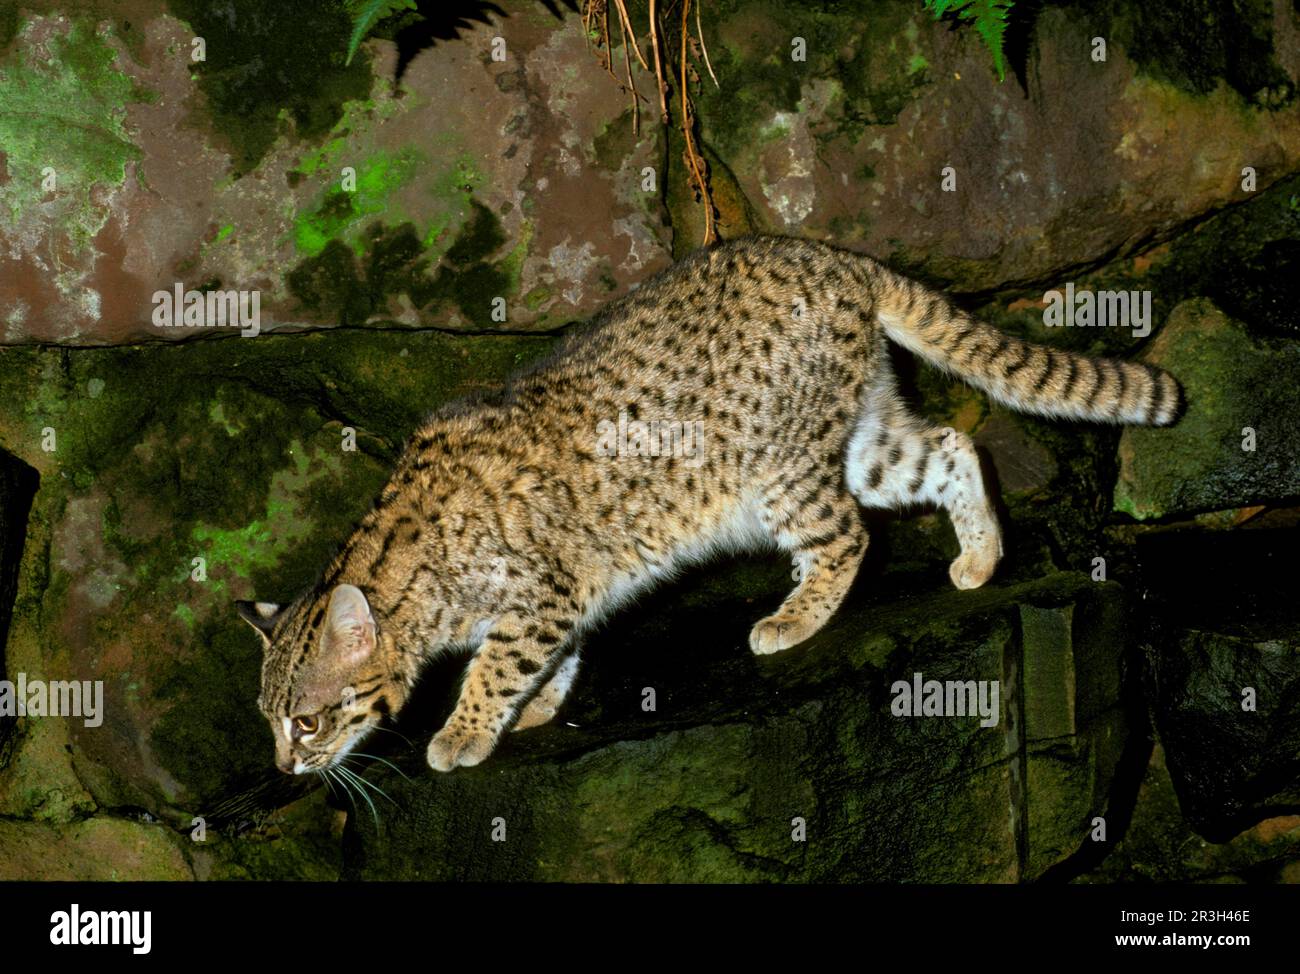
{"x": 285, "y": 763}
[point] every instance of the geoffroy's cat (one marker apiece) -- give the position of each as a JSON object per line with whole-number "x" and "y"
{"x": 513, "y": 524}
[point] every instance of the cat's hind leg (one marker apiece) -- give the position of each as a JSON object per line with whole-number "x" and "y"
{"x": 543, "y": 707}
{"x": 824, "y": 532}
{"x": 896, "y": 460}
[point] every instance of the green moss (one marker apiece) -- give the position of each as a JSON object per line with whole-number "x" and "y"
{"x": 872, "y": 75}
{"x": 263, "y": 543}
{"x": 223, "y": 234}
{"x": 452, "y": 190}
{"x": 339, "y": 210}
{"x": 217, "y": 413}
{"x": 102, "y": 848}
{"x": 397, "y": 261}
{"x": 753, "y": 55}
{"x": 352, "y": 271}
{"x": 615, "y": 142}
{"x": 330, "y": 156}
{"x": 186, "y": 615}
{"x": 67, "y": 114}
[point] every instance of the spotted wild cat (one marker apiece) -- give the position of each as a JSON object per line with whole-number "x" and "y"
{"x": 506, "y": 527}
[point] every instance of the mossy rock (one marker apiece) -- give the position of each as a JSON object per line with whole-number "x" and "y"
{"x": 98, "y": 849}
{"x": 298, "y": 842}
{"x": 1238, "y": 443}
{"x": 174, "y": 479}
{"x": 1160, "y": 847}
{"x": 742, "y": 753}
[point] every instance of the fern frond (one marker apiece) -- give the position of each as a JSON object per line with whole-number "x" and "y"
{"x": 365, "y": 14}
{"x": 990, "y": 18}
{"x": 941, "y": 7}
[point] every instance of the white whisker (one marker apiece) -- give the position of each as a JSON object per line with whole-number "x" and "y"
{"x": 374, "y": 757}
{"x": 348, "y": 775}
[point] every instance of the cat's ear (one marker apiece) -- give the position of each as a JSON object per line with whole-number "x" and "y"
{"x": 349, "y": 627}
{"x": 262, "y": 616}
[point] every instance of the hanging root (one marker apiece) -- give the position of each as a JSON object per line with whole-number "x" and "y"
{"x": 695, "y": 163}
{"x": 596, "y": 12}
{"x": 595, "y": 20}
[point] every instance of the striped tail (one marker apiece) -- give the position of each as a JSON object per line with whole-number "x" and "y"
{"x": 1024, "y": 376}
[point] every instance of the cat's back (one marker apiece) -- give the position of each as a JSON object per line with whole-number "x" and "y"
{"x": 712, "y": 311}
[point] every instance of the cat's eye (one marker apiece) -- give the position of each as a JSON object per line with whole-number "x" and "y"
{"x": 306, "y": 725}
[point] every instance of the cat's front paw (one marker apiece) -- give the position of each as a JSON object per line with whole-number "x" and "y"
{"x": 537, "y": 713}
{"x": 778, "y": 632}
{"x": 454, "y": 747}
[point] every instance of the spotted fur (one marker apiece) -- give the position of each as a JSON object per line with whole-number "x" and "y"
{"x": 505, "y": 530}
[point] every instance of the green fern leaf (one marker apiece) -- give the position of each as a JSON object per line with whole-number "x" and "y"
{"x": 365, "y": 14}
{"x": 941, "y": 7}
{"x": 990, "y": 18}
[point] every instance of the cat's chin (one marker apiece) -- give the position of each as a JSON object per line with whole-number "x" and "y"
{"x": 336, "y": 759}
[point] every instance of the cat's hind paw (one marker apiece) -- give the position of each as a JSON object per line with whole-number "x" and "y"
{"x": 454, "y": 747}
{"x": 971, "y": 569}
{"x": 776, "y": 633}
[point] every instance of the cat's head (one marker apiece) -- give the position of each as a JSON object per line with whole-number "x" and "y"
{"x": 327, "y": 675}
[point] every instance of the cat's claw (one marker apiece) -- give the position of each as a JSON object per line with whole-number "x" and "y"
{"x": 455, "y": 748}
